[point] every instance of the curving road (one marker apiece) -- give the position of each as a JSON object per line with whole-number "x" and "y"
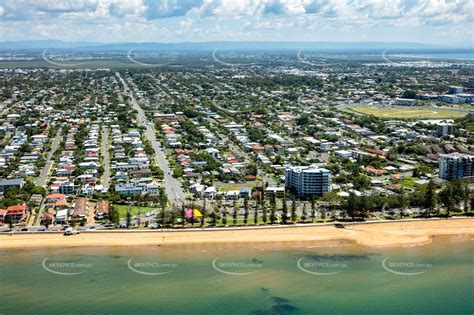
{"x": 173, "y": 188}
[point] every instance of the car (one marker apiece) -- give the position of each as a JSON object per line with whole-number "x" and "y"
{"x": 24, "y": 229}
{"x": 70, "y": 231}
{"x": 42, "y": 230}
{"x": 154, "y": 226}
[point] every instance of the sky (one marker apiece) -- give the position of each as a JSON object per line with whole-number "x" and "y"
{"x": 423, "y": 21}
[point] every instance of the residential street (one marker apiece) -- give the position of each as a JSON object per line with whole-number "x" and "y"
{"x": 172, "y": 186}
{"x": 106, "y": 159}
{"x": 41, "y": 180}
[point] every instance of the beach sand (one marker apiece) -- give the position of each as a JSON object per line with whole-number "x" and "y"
{"x": 382, "y": 234}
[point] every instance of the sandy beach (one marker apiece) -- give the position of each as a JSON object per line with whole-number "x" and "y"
{"x": 372, "y": 235}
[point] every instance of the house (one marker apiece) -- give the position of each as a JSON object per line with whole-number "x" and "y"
{"x": 245, "y": 193}
{"x": 210, "y": 192}
{"x": 102, "y": 209}
{"x": 3, "y": 215}
{"x": 278, "y": 192}
{"x": 18, "y": 213}
{"x": 80, "y": 208}
{"x": 14, "y": 182}
{"x": 232, "y": 195}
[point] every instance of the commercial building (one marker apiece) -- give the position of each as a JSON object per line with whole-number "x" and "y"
{"x": 443, "y": 129}
{"x": 456, "y": 166}
{"x": 307, "y": 181}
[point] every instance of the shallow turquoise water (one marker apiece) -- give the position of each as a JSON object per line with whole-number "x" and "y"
{"x": 302, "y": 278}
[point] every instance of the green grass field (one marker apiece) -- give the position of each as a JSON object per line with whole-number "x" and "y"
{"x": 416, "y": 112}
{"x": 228, "y": 187}
{"x": 123, "y": 210}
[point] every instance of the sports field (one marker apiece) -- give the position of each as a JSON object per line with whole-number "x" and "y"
{"x": 399, "y": 112}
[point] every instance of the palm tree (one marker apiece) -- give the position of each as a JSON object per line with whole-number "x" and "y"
{"x": 183, "y": 215}
{"x": 284, "y": 211}
{"x": 163, "y": 199}
{"x": 246, "y": 209}
{"x": 224, "y": 216}
{"x": 264, "y": 210}
{"x": 430, "y": 199}
{"x": 203, "y": 212}
{"x": 255, "y": 214}
{"x": 313, "y": 208}
{"x": 294, "y": 217}
{"x": 236, "y": 212}
{"x": 303, "y": 216}
{"x": 129, "y": 217}
{"x": 467, "y": 198}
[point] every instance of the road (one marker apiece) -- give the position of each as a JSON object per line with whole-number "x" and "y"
{"x": 41, "y": 180}
{"x": 173, "y": 188}
{"x": 106, "y": 158}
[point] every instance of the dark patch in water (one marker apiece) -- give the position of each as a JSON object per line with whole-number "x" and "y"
{"x": 265, "y": 290}
{"x": 338, "y": 257}
{"x": 257, "y": 261}
{"x": 284, "y": 309}
{"x": 280, "y": 306}
{"x": 280, "y": 300}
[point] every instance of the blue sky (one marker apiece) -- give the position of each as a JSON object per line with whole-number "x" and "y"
{"x": 426, "y": 21}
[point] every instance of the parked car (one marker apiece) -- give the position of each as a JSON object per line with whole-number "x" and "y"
{"x": 70, "y": 231}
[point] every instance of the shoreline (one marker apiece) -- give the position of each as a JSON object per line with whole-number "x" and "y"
{"x": 370, "y": 234}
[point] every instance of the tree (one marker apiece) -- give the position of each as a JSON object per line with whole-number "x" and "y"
{"x": 284, "y": 212}
{"x": 139, "y": 214}
{"x": 163, "y": 200}
{"x": 403, "y": 202}
{"x": 430, "y": 199}
{"x": 236, "y": 212}
{"x": 467, "y": 198}
{"x": 47, "y": 222}
{"x": 447, "y": 198}
{"x": 203, "y": 212}
{"x": 224, "y": 216}
{"x": 264, "y": 210}
{"x": 246, "y": 209}
{"x": 255, "y": 214}
{"x": 351, "y": 205}
{"x": 183, "y": 215}
{"x": 9, "y": 220}
{"x": 129, "y": 217}
{"x": 313, "y": 208}
{"x": 293, "y": 210}
{"x": 304, "y": 213}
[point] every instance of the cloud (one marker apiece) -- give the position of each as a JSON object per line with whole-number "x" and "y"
{"x": 169, "y": 8}
{"x": 236, "y": 19}
{"x": 27, "y": 9}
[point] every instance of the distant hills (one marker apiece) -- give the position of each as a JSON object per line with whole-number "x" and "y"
{"x": 234, "y": 45}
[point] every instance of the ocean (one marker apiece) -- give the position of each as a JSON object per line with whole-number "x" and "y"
{"x": 332, "y": 277}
